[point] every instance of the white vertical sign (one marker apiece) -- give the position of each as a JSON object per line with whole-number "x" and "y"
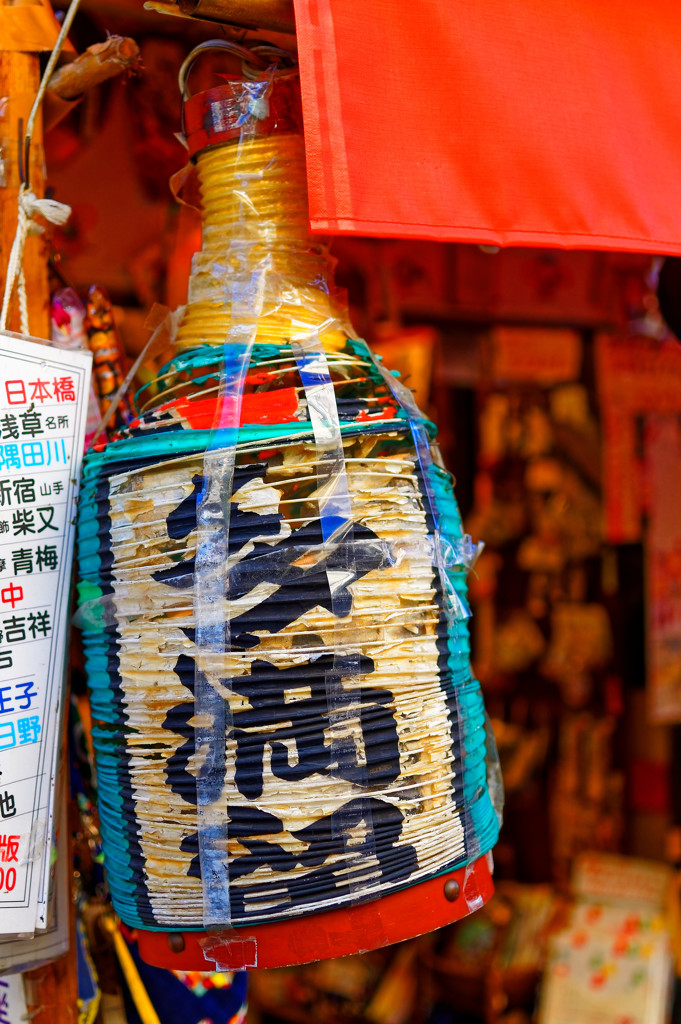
{"x": 13, "y": 1008}
{"x": 43, "y": 407}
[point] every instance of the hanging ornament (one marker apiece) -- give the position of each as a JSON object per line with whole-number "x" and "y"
{"x": 292, "y": 753}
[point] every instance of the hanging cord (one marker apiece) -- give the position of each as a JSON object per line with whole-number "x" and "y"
{"x": 27, "y": 202}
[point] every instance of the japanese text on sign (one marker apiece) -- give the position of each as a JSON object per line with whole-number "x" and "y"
{"x": 43, "y": 398}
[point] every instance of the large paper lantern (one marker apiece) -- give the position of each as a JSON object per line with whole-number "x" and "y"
{"x": 292, "y": 753}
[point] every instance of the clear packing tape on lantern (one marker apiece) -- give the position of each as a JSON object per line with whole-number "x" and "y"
{"x": 273, "y": 588}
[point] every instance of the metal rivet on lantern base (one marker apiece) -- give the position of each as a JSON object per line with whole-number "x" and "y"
{"x": 176, "y": 942}
{"x": 452, "y": 890}
{"x": 394, "y": 918}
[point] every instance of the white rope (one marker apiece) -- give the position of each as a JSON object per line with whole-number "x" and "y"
{"x": 28, "y": 205}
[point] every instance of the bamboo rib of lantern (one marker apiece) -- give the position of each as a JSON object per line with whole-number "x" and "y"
{"x": 289, "y": 365}
{"x": 162, "y": 397}
{"x": 300, "y": 390}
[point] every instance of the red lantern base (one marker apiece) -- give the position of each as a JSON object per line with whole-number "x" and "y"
{"x": 401, "y": 915}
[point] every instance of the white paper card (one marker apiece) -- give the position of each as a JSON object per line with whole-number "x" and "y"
{"x": 13, "y": 1009}
{"x": 43, "y": 407}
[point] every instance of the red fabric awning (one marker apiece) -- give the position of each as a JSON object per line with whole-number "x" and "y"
{"x": 545, "y": 122}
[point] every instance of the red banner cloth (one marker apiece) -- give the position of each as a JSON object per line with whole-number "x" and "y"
{"x": 545, "y": 122}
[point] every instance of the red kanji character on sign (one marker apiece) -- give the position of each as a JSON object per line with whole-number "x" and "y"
{"x": 63, "y": 389}
{"x": 40, "y": 391}
{"x": 9, "y": 849}
{"x": 16, "y": 392}
{"x": 12, "y": 595}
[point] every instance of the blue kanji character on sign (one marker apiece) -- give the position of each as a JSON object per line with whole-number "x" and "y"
{"x": 8, "y": 737}
{"x": 5, "y": 701}
{"x": 32, "y": 453}
{"x": 27, "y": 696}
{"x": 28, "y": 729}
{"x": 12, "y": 460}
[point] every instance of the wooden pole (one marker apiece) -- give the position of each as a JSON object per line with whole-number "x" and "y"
{"x": 98, "y": 63}
{"x": 274, "y": 15}
{"x": 19, "y": 80}
{"x": 52, "y": 990}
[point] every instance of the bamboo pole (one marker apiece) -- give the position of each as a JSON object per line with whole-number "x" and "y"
{"x": 274, "y": 15}
{"x": 98, "y": 63}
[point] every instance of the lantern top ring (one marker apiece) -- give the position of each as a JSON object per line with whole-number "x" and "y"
{"x": 256, "y": 61}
